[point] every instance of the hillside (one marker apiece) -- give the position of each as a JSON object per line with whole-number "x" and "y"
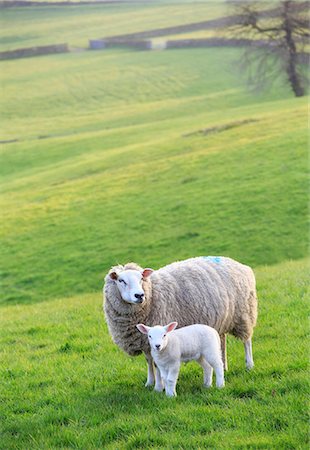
{"x": 77, "y": 24}
{"x": 151, "y": 156}
{"x": 108, "y": 167}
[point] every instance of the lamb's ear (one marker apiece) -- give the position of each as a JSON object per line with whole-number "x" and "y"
{"x": 147, "y": 272}
{"x": 143, "y": 328}
{"x": 171, "y": 326}
{"x": 113, "y": 275}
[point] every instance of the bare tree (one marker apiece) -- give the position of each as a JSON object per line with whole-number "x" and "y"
{"x": 277, "y": 40}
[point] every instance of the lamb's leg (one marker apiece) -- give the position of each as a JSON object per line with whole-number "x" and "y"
{"x": 219, "y": 374}
{"x": 216, "y": 362}
{"x": 164, "y": 374}
{"x": 171, "y": 381}
{"x": 207, "y": 371}
{"x": 150, "y": 371}
{"x": 248, "y": 354}
{"x": 224, "y": 351}
{"x": 159, "y": 385}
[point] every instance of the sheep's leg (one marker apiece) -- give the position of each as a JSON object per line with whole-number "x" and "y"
{"x": 248, "y": 354}
{"x": 159, "y": 386}
{"x": 164, "y": 374}
{"x": 219, "y": 373}
{"x": 170, "y": 387}
{"x": 216, "y": 363}
{"x": 171, "y": 381}
{"x": 150, "y": 371}
{"x": 207, "y": 371}
{"x": 224, "y": 351}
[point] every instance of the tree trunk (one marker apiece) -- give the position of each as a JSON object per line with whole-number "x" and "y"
{"x": 294, "y": 78}
{"x": 291, "y": 68}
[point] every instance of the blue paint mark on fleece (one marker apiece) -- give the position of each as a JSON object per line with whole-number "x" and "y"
{"x": 215, "y": 259}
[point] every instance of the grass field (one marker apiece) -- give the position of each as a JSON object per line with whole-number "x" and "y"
{"x": 65, "y": 385}
{"x": 115, "y": 145}
{"x": 152, "y": 157}
{"x": 77, "y": 24}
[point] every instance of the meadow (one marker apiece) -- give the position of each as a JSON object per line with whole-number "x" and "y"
{"x": 42, "y": 27}
{"x": 125, "y": 155}
{"x": 65, "y": 385}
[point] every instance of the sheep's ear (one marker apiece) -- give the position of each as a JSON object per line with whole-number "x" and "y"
{"x": 171, "y": 326}
{"x": 147, "y": 272}
{"x": 143, "y": 328}
{"x": 113, "y": 275}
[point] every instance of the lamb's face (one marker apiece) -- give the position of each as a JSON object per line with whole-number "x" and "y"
{"x": 129, "y": 284}
{"x": 157, "y": 335}
{"x": 157, "y": 338}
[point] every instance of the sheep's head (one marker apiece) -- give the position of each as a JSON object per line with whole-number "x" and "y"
{"x": 130, "y": 281}
{"x": 157, "y": 335}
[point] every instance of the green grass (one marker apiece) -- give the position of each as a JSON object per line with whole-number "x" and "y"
{"x": 110, "y": 164}
{"x": 77, "y": 24}
{"x": 95, "y": 190}
{"x": 66, "y": 385}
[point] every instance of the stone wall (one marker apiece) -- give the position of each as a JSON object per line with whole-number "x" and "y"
{"x": 34, "y": 51}
{"x": 98, "y": 44}
{"x": 214, "y": 42}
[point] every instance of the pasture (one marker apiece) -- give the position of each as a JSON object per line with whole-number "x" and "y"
{"x": 122, "y": 155}
{"x": 66, "y": 385}
{"x": 42, "y": 26}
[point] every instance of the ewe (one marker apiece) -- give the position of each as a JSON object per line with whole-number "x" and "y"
{"x": 196, "y": 342}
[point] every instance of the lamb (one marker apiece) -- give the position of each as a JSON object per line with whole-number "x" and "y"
{"x": 215, "y": 291}
{"x": 195, "y": 342}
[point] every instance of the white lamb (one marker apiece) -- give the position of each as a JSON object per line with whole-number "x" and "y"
{"x": 195, "y": 342}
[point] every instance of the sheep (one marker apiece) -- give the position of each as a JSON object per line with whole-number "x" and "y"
{"x": 215, "y": 291}
{"x": 195, "y": 342}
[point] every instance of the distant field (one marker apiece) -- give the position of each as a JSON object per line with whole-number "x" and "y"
{"x": 101, "y": 144}
{"x": 76, "y": 25}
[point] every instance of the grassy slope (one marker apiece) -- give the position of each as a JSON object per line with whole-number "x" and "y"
{"x": 76, "y": 25}
{"x": 115, "y": 179}
{"x": 98, "y": 193}
{"x": 65, "y": 385}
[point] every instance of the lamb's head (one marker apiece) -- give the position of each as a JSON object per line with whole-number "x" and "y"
{"x": 131, "y": 282}
{"x": 157, "y": 335}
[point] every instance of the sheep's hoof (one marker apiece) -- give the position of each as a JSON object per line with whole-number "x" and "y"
{"x": 250, "y": 366}
{"x": 170, "y": 395}
{"x": 149, "y": 384}
{"x": 207, "y": 386}
{"x": 158, "y": 388}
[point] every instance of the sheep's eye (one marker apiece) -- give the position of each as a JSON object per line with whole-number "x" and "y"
{"x": 122, "y": 281}
{"x": 150, "y": 337}
{"x": 164, "y": 335}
